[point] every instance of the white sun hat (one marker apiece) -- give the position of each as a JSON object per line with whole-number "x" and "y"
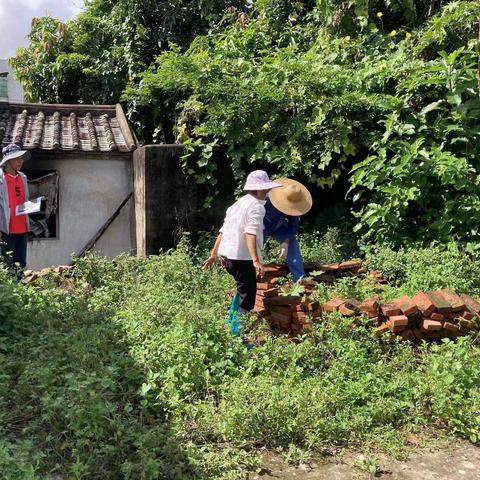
{"x": 258, "y": 180}
{"x": 13, "y": 151}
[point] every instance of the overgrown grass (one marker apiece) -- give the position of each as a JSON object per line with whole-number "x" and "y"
{"x": 129, "y": 373}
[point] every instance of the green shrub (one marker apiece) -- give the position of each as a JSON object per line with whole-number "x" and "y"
{"x": 130, "y": 373}
{"x": 416, "y": 268}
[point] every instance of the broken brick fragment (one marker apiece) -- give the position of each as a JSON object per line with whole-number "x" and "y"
{"x": 381, "y": 329}
{"x": 333, "y": 305}
{"x": 345, "y": 311}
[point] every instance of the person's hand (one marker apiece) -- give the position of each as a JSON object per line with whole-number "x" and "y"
{"x": 283, "y": 250}
{"x": 210, "y": 262}
{"x": 259, "y": 270}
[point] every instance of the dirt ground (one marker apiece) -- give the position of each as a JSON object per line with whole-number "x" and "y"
{"x": 460, "y": 462}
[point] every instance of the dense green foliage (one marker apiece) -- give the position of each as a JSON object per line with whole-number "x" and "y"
{"x": 127, "y": 371}
{"x": 376, "y": 92}
{"x": 92, "y": 58}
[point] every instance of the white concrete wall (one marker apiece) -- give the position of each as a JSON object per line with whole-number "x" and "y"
{"x": 90, "y": 190}
{"x": 15, "y": 90}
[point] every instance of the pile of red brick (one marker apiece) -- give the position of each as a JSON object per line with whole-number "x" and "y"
{"x": 425, "y": 316}
{"x": 295, "y": 314}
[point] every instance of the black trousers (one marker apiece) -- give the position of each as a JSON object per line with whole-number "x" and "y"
{"x": 13, "y": 247}
{"x": 245, "y": 276}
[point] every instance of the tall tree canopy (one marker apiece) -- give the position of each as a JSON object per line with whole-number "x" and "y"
{"x": 91, "y": 58}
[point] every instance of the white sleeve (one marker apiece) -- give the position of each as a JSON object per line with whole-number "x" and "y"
{"x": 254, "y": 222}
{"x": 225, "y": 219}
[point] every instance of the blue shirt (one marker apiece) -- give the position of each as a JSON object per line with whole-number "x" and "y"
{"x": 278, "y": 225}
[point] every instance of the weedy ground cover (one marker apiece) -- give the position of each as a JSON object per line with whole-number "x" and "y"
{"x": 129, "y": 373}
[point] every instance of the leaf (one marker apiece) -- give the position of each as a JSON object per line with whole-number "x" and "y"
{"x": 431, "y": 106}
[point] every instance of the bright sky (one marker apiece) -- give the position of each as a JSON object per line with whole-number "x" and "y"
{"x": 16, "y": 18}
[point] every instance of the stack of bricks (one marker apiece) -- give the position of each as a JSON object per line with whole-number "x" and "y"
{"x": 289, "y": 314}
{"x": 425, "y": 316}
{"x": 295, "y": 314}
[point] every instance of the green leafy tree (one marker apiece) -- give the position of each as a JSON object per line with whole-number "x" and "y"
{"x": 91, "y": 58}
{"x": 332, "y": 91}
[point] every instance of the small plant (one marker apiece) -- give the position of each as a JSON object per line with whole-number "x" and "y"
{"x": 369, "y": 465}
{"x": 292, "y": 290}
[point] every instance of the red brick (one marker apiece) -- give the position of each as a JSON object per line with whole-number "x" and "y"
{"x": 300, "y": 315}
{"x": 350, "y": 265}
{"x": 397, "y": 323}
{"x": 406, "y": 305}
{"x": 263, "y": 286}
{"x": 431, "y": 326}
{"x": 453, "y": 299}
{"x": 438, "y": 317}
{"x": 331, "y": 267}
{"x": 283, "y": 309}
{"x": 275, "y": 269}
{"x": 271, "y": 292}
{"x": 450, "y": 327}
{"x": 441, "y": 304}
{"x": 424, "y": 304}
{"x": 471, "y": 303}
{"x": 468, "y": 315}
{"x": 390, "y": 310}
{"x": 308, "y": 306}
{"x": 381, "y": 329}
{"x": 345, "y": 311}
{"x": 370, "y": 307}
{"x": 333, "y": 305}
{"x": 284, "y": 300}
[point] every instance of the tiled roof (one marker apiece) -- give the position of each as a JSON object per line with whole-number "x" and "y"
{"x": 85, "y": 128}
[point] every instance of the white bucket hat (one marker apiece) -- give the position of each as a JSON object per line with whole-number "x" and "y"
{"x": 13, "y": 151}
{"x": 258, "y": 180}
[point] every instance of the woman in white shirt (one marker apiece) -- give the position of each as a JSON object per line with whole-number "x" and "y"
{"x": 240, "y": 241}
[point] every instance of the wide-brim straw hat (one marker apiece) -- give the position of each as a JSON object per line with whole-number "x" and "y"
{"x": 259, "y": 180}
{"x": 13, "y": 151}
{"x": 292, "y": 199}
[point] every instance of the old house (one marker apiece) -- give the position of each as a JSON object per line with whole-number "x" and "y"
{"x": 10, "y": 88}
{"x": 82, "y": 161}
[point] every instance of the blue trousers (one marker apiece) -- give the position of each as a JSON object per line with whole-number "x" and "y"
{"x": 294, "y": 258}
{"x": 13, "y": 248}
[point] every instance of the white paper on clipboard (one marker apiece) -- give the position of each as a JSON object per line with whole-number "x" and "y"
{"x": 33, "y": 206}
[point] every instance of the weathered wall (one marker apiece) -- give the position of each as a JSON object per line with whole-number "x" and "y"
{"x": 167, "y": 203}
{"x": 90, "y": 190}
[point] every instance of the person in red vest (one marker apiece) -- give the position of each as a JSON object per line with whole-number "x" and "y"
{"x": 13, "y": 192}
